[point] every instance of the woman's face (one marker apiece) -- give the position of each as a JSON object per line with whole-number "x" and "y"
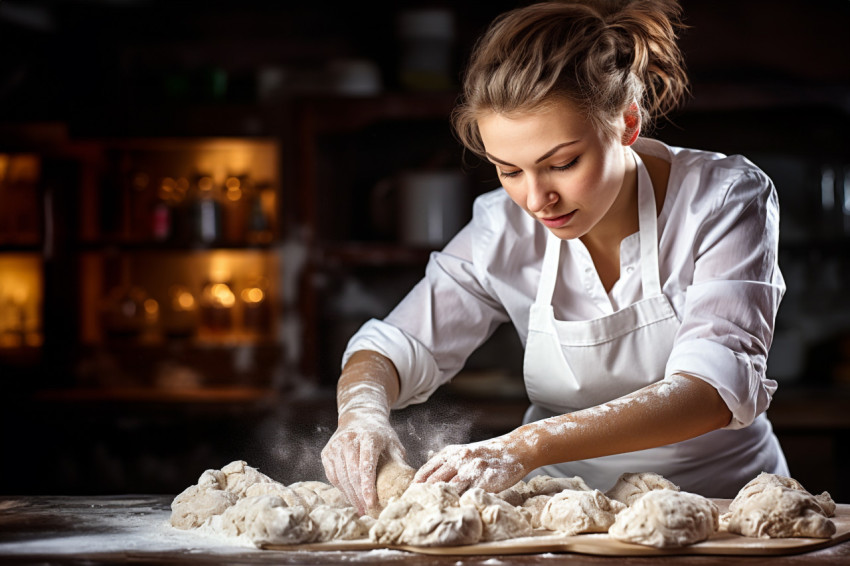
{"x": 557, "y": 166}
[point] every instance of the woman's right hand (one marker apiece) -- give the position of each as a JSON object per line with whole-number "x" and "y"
{"x": 351, "y": 457}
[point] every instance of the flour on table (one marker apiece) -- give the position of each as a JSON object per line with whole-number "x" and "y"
{"x": 573, "y": 512}
{"x": 500, "y": 520}
{"x": 666, "y": 518}
{"x": 631, "y": 486}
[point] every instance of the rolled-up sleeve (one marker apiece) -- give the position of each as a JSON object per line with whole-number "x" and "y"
{"x": 731, "y": 306}
{"x": 446, "y": 316}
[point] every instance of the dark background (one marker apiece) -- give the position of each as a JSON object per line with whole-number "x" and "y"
{"x": 771, "y": 80}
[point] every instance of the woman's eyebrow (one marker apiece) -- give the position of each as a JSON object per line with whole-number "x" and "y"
{"x": 546, "y": 155}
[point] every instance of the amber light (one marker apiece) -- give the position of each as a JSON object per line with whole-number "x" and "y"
{"x": 20, "y": 301}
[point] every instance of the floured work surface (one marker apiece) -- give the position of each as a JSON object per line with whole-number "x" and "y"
{"x": 721, "y": 543}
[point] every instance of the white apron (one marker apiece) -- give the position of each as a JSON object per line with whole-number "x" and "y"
{"x": 573, "y": 365}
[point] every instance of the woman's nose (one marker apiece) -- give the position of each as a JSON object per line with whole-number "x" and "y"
{"x": 540, "y": 194}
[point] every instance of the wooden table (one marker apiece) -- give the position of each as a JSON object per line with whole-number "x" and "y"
{"x": 130, "y": 528}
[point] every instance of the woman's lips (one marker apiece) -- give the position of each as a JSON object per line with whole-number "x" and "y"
{"x": 558, "y": 221}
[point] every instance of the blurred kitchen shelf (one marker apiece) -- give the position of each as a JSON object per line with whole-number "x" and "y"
{"x": 205, "y": 395}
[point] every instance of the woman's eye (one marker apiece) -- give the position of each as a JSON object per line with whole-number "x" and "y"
{"x": 567, "y": 166}
{"x": 508, "y": 174}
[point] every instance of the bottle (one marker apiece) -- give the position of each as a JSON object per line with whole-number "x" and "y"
{"x": 206, "y": 211}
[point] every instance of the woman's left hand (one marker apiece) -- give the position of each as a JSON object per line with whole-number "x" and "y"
{"x": 493, "y": 465}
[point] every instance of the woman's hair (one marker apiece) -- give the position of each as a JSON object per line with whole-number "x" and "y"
{"x": 599, "y": 55}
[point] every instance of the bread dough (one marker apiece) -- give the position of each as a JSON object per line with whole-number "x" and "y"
{"x": 327, "y": 494}
{"x": 777, "y": 511}
{"x": 631, "y": 486}
{"x": 427, "y": 514}
{"x": 334, "y": 523}
{"x": 266, "y": 519}
{"x": 393, "y": 479}
{"x": 238, "y": 476}
{"x": 533, "y": 507}
{"x": 765, "y": 480}
{"x": 666, "y": 518}
{"x": 197, "y": 503}
{"x": 541, "y": 485}
{"x": 500, "y": 520}
{"x": 572, "y": 512}
{"x": 238, "y": 500}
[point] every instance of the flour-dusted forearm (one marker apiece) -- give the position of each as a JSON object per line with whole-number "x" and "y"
{"x": 672, "y": 410}
{"x": 367, "y": 388}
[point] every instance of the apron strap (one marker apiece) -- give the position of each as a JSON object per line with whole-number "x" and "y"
{"x": 549, "y": 269}
{"x": 648, "y": 226}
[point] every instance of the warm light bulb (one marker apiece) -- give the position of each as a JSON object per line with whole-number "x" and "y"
{"x": 253, "y": 295}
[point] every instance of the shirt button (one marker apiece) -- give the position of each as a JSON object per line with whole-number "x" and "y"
{"x": 630, "y": 268}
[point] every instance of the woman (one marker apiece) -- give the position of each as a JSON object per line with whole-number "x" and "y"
{"x": 642, "y": 279}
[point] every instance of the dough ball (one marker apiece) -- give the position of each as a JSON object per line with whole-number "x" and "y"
{"x": 515, "y": 495}
{"x": 393, "y": 479}
{"x": 327, "y": 493}
{"x": 266, "y": 519}
{"x": 765, "y": 480}
{"x": 500, "y": 520}
{"x": 574, "y": 512}
{"x": 408, "y": 522}
{"x": 666, "y": 519}
{"x": 239, "y": 476}
{"x": 547, "y": 485}
{"x": 630, "y": 486}
{"x": 197, "y": 503}
{"x": 439, "y": 494}
{"x": 427, "y": 514}
{"x": 541, "y": 485}
{"x": 777, "y": 511}
{"x": 333, "y": 523}
{"x": 533, "y": 507}
{"x": 291, "y": 497}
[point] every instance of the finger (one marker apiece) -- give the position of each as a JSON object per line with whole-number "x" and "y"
{"x": 352, "y": 479}
{"x": 368, "y": 476}
{"x": 444, "y": 473}
{"x": 428, "y": 468}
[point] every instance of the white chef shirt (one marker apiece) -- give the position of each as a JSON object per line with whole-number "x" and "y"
{"x": 718, "y": 234}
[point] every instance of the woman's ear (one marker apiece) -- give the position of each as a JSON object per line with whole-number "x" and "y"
{"x": 631, "y": 118}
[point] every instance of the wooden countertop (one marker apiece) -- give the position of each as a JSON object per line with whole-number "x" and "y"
{"x": 134, "y": 528}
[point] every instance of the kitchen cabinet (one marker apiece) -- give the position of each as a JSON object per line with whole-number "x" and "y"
{"x": 141, "y": 263}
